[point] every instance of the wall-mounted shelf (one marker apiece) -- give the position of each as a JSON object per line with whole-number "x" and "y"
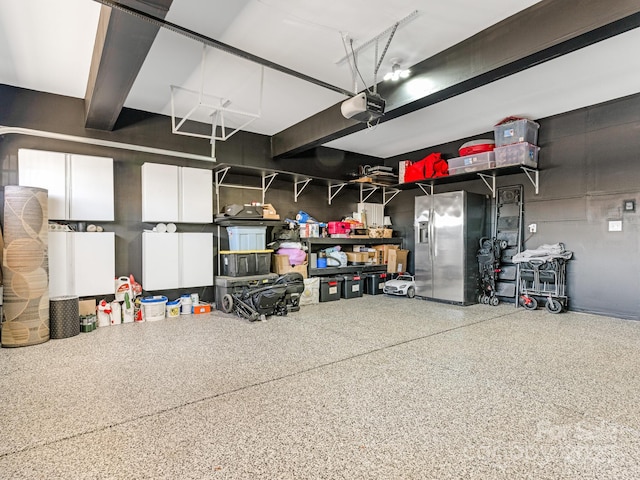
{"x": 487, "y": 176}
{"x": 352, "y": 241}
{"x": 334, "y": 186}
{"x": 236, "y": 222}
{"x": 267, "y": 176}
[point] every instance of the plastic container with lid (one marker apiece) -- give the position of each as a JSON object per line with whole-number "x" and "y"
{"x": 153, "y": 308}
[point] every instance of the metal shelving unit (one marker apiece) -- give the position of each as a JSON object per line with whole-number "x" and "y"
{"x": 318, "y": 272}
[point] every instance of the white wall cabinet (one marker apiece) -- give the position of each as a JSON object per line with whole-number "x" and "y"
{"x": 80, "y": 187}
{"x": 81, "y": 263}
{"x": 176, "y": 194}
{"x": 176, "y": 260}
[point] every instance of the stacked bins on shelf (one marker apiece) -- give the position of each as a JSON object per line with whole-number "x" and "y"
{"x": 516, "y": 143}
{"x": 508, "y": 230}
{"x": 246, "y": 264}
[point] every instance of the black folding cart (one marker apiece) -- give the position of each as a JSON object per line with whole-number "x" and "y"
{"x": 544, "y": 277}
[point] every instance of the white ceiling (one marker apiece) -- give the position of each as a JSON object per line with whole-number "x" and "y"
{"x": 47, "y": 46}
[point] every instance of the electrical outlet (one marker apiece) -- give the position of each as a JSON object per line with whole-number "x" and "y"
{"x": 533, "y": 228}
{"x": 615, "y": 225}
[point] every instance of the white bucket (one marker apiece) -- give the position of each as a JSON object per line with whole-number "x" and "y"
{"x": 153, "y": 308}
{"x": 186, "y": 303}
{"x": 173, "y": 308}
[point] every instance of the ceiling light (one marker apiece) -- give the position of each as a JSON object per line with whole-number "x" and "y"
{"x": 397, "y": 73}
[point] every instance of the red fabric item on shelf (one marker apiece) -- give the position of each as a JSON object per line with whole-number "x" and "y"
{"x": 435, "y": 166}
{"x": 414, "y": 171}
{"x": 431, "y": 166}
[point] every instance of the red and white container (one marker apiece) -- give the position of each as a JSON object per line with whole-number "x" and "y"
{"x": 336, "y": 228}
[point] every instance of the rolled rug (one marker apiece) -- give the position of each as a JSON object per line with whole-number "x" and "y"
{"x": 25, "y": 266}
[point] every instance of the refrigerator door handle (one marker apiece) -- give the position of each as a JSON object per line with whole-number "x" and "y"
{"x": 432, "y": 245}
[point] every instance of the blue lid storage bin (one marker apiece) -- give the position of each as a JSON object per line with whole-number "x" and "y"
{"x": 247, "y": 238}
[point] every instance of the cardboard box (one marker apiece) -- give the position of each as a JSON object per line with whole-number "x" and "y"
{"x": 280, "y": 265}
{"x": 87, "y": 307}
{"x": 402, "y": 168}
{"x": 87, "y": 314}
{"x": 397, "y": 260}
{"x": 309, "y": 230}
{"x": 268, "y": 211}
{"x": 357, "y": 257}
{"x": 382, "y": 253}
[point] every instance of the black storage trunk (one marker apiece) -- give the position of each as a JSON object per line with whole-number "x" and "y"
{"x": 330, "y": 289}
{"x": 352, "y": 286}
{"x": 230, "y": 285}
{"x": 374, "y": 283}
{"x": 243, "y": 263}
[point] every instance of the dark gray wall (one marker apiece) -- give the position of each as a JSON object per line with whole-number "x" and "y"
{"x": 590, "y": 164}
{"x": 52, "y": 113}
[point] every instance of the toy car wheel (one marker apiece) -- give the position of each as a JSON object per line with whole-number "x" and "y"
{"x": 485, "y": 299}
{"x": 227, "y": 303}
{"x": 494, "y": 301}
{"x": 553, "y": 306}
{"x": 411, "y": 292}
{"x": 480, "y": 297}
{"x": 529, "y": 303}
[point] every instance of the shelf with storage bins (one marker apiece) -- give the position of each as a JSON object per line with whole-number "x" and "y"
{"x": 313, "y": 245}
{"x": 488, "y": 176}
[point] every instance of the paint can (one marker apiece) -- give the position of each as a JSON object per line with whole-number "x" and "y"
{"x": 185, "y": 304}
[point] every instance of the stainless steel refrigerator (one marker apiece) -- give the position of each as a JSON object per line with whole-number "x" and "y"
{"x": 448, "y": 228}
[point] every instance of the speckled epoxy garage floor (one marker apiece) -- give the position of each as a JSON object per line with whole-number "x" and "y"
{"x": 370, "y": 388}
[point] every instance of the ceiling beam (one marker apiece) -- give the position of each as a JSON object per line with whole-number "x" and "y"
{"x": 538, "y": 34}
{"x": 121, "y": 46}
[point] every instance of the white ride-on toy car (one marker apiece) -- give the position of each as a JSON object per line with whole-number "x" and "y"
{"x": 404, "y": 284}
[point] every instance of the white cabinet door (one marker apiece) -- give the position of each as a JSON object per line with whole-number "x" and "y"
{"x": 160, "y": 261}
{"x": 42, "y": 169}
{"x": 196, "y": 195}
{"x": 94, "y": 263}
{"x": 60, "y": 264}
{"x": 160, "y": 193}
{"x": 90, "y": 188}
{"x": 80, "y": 186}
{"x": 196, "y": 259}
{"x": 81, "y": 264}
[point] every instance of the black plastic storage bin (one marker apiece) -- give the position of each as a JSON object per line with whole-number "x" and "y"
{"x": 352, "y": 286}
{"x": 330, "y": 289}
{"x": 374, "y": 283}
{"x": 243, "y": 263}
